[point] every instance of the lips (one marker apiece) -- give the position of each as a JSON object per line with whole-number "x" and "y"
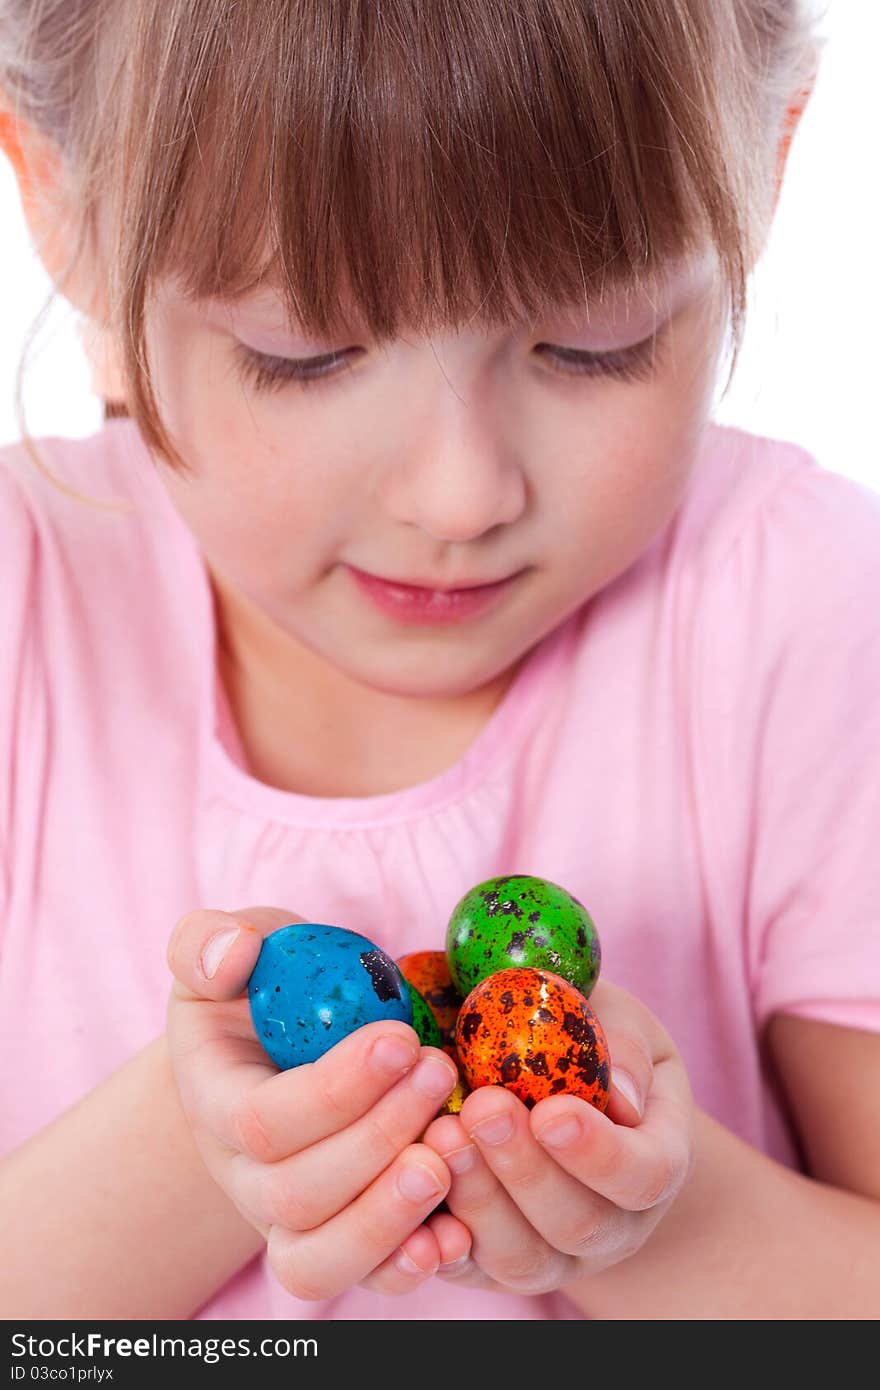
{"x": 426, "y": 586}
{"x": 416, "y": 603}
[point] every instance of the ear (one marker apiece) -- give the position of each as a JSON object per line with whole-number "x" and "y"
{"x": 50, "y": 210}
{"x": 790, "y": 122}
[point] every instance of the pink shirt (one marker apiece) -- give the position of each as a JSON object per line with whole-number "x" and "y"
{"x": 695, "y": 754}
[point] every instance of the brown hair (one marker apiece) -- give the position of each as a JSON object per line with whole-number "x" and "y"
{"x": 445, "y": 160}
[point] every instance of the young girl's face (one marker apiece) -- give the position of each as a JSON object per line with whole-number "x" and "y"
{"x": 456, "y": 460}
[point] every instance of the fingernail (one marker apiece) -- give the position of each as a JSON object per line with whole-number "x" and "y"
{"x": 628, "y": 1089}
{"x": 433, "y": 1078}
{"x": 215, "y": 949}
{"x": 393, "y": 1055}
{"x": 493, "y": 1131}
{"x": 455, "y": 1265}
{"x": 557, "y": 1133}
{"x": 461, "y": 1160}
{"x": 418, "y": 1183}
{"x": 406, "y": 1265}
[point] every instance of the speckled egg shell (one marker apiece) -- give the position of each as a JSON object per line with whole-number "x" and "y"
{"x": 521, "y": 920}
{"x": 456, "y": 1100}
{"x": 314, "y": 983}
{"x": 424, "y": 1021}
{"x": 534, "y": 1033}
{"x": 428, "y": 972}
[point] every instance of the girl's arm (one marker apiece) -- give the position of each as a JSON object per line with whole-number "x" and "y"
{"x": 109, "y": 1211}
{"x": 748, "y": 1238}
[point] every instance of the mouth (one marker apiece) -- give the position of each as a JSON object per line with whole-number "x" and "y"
{"x": 430, "y": 587}
{"x": 412, "y": 602}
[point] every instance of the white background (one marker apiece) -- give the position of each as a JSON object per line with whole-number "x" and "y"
{"x": 809, "y": 365}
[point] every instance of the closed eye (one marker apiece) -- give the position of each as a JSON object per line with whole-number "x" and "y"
{"x": 267, "y": 373}
{"x": 636, "y": 363}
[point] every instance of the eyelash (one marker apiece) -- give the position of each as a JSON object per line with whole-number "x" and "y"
{"x": 636, "y": 363}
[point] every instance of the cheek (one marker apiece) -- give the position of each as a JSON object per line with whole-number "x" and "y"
{"x": 259, "y": 486}
{"x": 640, "y": 448}
{"x": 264, "y": 545}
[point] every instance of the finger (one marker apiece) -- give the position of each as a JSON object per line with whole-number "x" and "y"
{"x": 304, "y": 1191}
{"x": 568, "y": 1215}
{"x": 411, "y": 1264}
{"x": 636, "y": 1042}
{"x": 252, "y": 1107}
{"x": 635, "y": 1168}
{"x": 212, "y": 954}
{"x": 212, "y": 1045}
{"x": 505, "y": 1245}
{"x": 457, "y": 1263}
{"x": 453, "y": 1242}
{"x": 441, "y": 1245}
{"x": 321, "y": 1263}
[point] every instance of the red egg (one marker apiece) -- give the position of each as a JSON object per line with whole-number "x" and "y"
{"x": 428, "y": 972}
{"x": 535, "y": 1034}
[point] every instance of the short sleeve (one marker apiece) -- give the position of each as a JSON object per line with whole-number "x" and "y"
{"x": 17, "y": 602}
{"x": 808, "y": 567}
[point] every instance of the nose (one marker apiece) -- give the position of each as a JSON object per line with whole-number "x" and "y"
{"x": 454, "y": 473}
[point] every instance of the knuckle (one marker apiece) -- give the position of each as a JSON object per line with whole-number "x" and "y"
{"x": 382, "y": 1143}
{"x": 285, "y": 1204}
{"x": 595, "y": 1240}
{"x": 633, "y": 1057}
{"x": 605, "y": 1160}
{"x": 657, "y": 1185}
{"x": 373, "y": 1233}
{"x": 187, "y": 1049}
{"x": 523, "y": 1180}
{"x": 465, "y": 1201}
{"x": 336, "y": 1099}
{"x": 250, "y": 1131}
{"x": 299, "y": 1277}
{"x": 530, "y": 1272}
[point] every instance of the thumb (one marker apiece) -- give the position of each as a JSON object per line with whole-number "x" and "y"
{"x": 636, "y": 1043}
{"x": 212, "y": 954}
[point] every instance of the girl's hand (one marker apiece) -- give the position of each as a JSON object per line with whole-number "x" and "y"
{"x": 321, "y": 1159}
{"x": 562, "y": 1191}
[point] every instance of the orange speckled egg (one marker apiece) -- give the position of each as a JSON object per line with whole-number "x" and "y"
{"x": 534, "y": 1033}
{"x": 428, "y": 972}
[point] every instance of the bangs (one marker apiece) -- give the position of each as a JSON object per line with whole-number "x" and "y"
{"x": 425, "y": 164}
{"x": 419, "y": 165}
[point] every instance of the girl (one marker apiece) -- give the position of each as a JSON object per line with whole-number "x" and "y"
{"x": 409, "y": 301}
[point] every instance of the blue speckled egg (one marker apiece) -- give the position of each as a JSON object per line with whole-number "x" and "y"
{"x": 313, "y": 984}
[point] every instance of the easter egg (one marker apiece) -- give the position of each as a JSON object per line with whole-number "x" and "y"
{"x": 424, "y": 1021}
{"x": 453, "y": 1103}
{"x": 535, "y": 1034}
{"x": 428, "y": 972}
{"x": 524, "y": 921}
{"x": 313, "y": 984}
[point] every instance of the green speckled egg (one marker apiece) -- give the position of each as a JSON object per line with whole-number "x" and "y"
{"x": 424, "y": 1021}
{"x": 520, "y": 920}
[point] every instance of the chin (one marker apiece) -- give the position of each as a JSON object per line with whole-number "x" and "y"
{"x": 429, "y": 674}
